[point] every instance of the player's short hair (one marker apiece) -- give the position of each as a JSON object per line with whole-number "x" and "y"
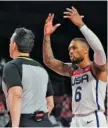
{"x": 24, "y": 39}
{"x": 81, "y": 39}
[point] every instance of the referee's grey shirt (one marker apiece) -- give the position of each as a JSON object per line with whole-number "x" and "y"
{"x": 33, "y": 78}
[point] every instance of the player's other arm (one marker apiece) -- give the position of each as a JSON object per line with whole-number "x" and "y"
{"x": 48, "y": 57}
{"x": 95, "y": 44}
{"x": 93, "y": 40}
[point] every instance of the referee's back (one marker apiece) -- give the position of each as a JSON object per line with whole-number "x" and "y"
{"x": 34, "y": 81}
{"x": 26, "y": 84}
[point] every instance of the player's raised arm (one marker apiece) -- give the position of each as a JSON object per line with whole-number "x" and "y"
{"x": 93, "y": 40}
{"x": 48, "y": 57}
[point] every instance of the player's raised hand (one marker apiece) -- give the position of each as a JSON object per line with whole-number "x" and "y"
{"x": 49, "y": 28}
{"x": 74, "y": 16}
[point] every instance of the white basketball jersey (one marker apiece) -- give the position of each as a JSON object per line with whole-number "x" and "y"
{"x": 88, "y": 93}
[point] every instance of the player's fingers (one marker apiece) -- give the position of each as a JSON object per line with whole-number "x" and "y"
{"x": 48, "y": 18}
{"x": 67, "y": 13}
{"x": 68, "y": 9}
{"x": 73, "y": 12}
{"x": 56, "y": 26}
{"x": 74, "y": 9}
{"x": 52, "y": 17}
{"x": 49, "y": 15}
{"x": 67, "y": 17}
{"x": 82, "y": 16}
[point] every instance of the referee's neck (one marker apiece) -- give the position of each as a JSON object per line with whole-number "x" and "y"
{"x": 22, "y": 54}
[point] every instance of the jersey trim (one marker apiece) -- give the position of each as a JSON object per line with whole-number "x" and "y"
{"x": 81, "y": 71}
{"x": 97, "y": 84}
{"x": 24, "y": 58}
{"x": 97, "y": 119}
{"x": 93, "y": 74}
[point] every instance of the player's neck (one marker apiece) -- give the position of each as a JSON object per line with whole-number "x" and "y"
{"x": 85, "y": 63}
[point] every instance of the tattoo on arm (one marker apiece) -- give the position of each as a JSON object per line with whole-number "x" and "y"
{"x": 47, "y": 50}
{"x": 54, "y": 64}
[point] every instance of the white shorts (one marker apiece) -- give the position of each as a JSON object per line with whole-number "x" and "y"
{"x": 96, "y": 119}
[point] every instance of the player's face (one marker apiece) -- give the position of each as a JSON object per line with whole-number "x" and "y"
{"x": 12, "y": 46}
{"x": 76, "y": 52}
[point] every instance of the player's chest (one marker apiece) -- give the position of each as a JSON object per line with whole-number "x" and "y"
{"x": 81, "y": 77}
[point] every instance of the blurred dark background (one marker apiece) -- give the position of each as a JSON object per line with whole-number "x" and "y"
{"x": 32, "y": 15}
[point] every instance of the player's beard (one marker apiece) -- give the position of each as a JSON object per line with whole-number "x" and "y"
{"x": 77, "y": 60}
{"x": 75, "y": 63}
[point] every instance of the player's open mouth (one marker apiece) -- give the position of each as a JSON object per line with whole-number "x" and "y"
{"x": 72, "y": 57}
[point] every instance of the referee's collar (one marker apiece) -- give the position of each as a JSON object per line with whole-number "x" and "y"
{"x": 25, "y": 56}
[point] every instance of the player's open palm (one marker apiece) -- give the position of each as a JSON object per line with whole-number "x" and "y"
{"x": 74, "y": 16}
{"x": 49, "y": 28}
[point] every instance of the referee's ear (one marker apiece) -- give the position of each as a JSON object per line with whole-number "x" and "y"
{"x": 15, "y": 47}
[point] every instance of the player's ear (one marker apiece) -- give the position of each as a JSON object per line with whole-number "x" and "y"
{"x": 85, "y": 51}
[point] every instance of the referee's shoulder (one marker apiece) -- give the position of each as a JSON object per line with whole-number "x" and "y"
{"x": 12, "y": 63}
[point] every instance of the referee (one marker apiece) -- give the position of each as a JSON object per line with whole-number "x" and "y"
{"x": 26, "y": 84}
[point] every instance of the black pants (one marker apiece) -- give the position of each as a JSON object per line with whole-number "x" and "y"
{"x": 26, "y": 120}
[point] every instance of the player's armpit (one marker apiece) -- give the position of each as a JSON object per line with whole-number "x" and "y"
{"x": 100, "y": 72}
{"x": 64, "y": 69}
{"x": 100, "y": 68}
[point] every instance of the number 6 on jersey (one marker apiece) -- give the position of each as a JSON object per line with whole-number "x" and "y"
{"x": 78, "y": 94}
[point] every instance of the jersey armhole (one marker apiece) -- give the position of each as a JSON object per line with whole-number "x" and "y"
{"x": 92, "y": 73}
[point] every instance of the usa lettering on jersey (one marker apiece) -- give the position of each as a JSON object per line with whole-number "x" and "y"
{"x": 80, "y": 79}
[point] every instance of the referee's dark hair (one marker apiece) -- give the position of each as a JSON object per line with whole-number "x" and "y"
{"x": 24, "y": 39}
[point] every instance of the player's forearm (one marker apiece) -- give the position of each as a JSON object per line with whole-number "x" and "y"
{"x": 49, "y": 60}
{"x": 14, "y": 103}
{"x": 47, "y": 50}
{"x": 92, "y": 39}
{"x": 95, "y": 44}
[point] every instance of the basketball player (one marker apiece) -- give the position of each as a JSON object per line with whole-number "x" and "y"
{"x": 88, "y": 78}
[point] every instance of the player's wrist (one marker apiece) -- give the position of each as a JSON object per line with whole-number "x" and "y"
{"x": 47, "y": 34}
{"x": 47, "y": 37}
{"x": 81, "y": 25}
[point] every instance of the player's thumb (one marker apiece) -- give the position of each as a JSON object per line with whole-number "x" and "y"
{"x": 56, "y": 26}
{"x": 82, "y": 16}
